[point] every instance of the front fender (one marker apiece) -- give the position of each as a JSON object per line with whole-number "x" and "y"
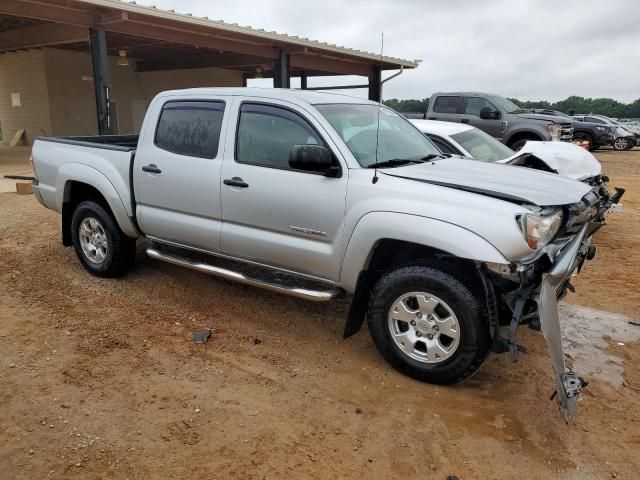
{"x": 430, "y": 232}
{"x": 76, "y": 172}
{"x": 540, "y": 131}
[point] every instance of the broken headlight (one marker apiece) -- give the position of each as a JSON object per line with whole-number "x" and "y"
{"x": 540, "y": 228}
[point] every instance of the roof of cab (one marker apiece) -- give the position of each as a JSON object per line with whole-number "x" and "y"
{"x": 441, "y": 128}
{"x": 307, "y": 96}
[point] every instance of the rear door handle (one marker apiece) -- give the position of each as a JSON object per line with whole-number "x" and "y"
{"x": 235, "y": 182}
{"x": 464, "y": 120}
{"x": 432, "y": 118}
{"x": 151, "y": 168}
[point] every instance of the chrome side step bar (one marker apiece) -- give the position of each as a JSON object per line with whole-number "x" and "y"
{"x": 308, "y": 294}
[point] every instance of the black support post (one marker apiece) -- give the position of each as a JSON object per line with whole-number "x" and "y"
{"x": 282, "y": 71}
{"x": 100, "y": 62}
{"x": 375, "y": 83}
{"x": 303, "y": 80}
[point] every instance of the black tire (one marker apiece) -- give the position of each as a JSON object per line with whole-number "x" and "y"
{"x": 120, "y": 249}
{"x": 474, "y": 335}
{"x": 621, "y": 144}
{"x": 586, "y": 137}
{"x": 518, "y": 144}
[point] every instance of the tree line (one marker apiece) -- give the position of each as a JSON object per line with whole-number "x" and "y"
{"x": 602, "y": 106}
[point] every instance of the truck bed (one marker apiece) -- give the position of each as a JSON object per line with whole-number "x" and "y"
{"x": 104, "y": 162}
{"x": 123, "y": 143}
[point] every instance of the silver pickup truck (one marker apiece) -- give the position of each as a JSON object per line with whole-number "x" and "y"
{"x": 320, "y": 195}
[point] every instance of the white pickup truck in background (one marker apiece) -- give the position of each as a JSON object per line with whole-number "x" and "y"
{"x": 319, "y": 195}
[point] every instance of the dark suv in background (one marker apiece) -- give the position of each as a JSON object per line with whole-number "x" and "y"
{"x": 622, "y": 139}
{"x": 597, "y": 134}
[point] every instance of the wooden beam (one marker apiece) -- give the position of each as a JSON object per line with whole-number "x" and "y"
{"x": 175, "y": 35}
{"x": 223, "y": 60}
{"x": 47, "y": 12}
{"x": 329, "y": 65}
{"x": 41, "y": 36}
{"x": 113, "y": 17}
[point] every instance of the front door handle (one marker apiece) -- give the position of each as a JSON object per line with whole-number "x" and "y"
{"x": 235, "y": 182}
{"x": 464, "y": 120}
{"x": 151, "y": 168}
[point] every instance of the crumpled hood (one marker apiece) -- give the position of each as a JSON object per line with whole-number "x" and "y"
{"x": 515, "y": 184}
{"x": 565, "y": 158}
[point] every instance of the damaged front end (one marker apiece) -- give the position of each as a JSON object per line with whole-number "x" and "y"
{"x": 605, "y": 201}
{"x": 528, "y": 291}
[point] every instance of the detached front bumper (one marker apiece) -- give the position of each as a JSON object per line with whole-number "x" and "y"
{"x": 554, "y": 284}
{"x": 529, "y": 292}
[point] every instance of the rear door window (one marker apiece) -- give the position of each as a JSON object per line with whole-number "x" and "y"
{"x": 447, "y": 104}
{"x": 190, "y": 128}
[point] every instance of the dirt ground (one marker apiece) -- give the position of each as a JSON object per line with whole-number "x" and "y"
{"x": 100, "y": 378}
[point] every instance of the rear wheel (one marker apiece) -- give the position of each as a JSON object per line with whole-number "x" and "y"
{"x": 101, "y": 246}
{"x": 621, "y": 143}
{"x": 428, "y": 325}
{"x": 518, "y": 143}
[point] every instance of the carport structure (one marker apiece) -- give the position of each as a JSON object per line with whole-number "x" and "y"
{"x": 159, "y": 40}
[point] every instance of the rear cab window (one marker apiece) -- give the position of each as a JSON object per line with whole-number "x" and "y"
{"x": 190, "y": 128}
{"x": 447, "y": 104}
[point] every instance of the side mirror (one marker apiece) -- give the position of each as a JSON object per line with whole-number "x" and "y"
{"x": 487, "y": 114}
{"x": 311, "y": 158}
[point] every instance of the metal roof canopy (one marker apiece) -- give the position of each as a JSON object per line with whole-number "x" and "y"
{"x": 161, "y": 40}
{"x": 165, "y": 40}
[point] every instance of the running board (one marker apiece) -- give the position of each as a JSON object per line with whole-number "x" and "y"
{"x": 200, "y": 266}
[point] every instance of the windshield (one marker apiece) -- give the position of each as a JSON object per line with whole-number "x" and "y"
{"x": 482, "y": 146}
{"x": 506, "y": 104}
{"x": 358, "y": 127}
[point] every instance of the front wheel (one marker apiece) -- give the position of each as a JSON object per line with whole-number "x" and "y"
{"x": 103, "y": 249}
{"x": 621, "y": 143}
{"x": 585, "y": 137}
{"x": 428, "y": 325}
{"x": 518, "y": 144}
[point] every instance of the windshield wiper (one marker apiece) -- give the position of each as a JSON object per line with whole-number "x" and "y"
{"x": 431, "y": 156}
{"x": 394, "y": 162}
{"x": 397, "y": 162}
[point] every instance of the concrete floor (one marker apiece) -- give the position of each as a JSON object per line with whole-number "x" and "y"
{"x": 13, "y": 161}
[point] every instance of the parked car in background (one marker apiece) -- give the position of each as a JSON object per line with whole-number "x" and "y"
{"x": 596, "y": 135}
{"x": 562, "y": 158}
{"x": 319, "y": 195}
{"x": 623, "y": 139}
{"x": 499, "y": 117}
{"x": 632, "y": 125}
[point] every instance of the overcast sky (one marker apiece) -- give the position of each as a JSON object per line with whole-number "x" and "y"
{"x": 528, "y": 49}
